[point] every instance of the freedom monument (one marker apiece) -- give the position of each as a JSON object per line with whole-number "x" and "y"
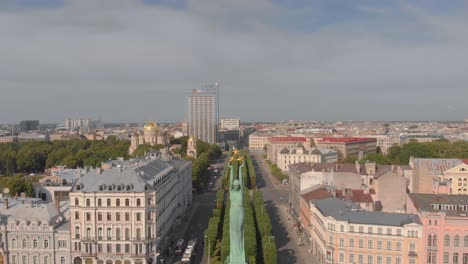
{"x": 236, "y": 214}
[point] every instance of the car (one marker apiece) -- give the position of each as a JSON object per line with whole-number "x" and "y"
{"x": 179, "y": 251}
{"x": 180, "y": 243}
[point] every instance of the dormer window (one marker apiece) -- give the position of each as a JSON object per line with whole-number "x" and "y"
{"x": 119, "y": 187}
{"x": 102, "y": 187}
{"x": 463, "y": 169}
{"x": 78, "y": 187}
{"x": 110, "y": 187}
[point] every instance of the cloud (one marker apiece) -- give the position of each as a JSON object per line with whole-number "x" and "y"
{"x": 131, "y": 61}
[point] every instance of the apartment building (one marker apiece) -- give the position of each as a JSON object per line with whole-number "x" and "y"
{"x": 445, "y": 226}
{"x": 349, "y": 146}
{"x": 276, "y": 144}
{"x": 288, "y": 156}
{"x": 342, "y": 233}
{"x": 124, "y": 214}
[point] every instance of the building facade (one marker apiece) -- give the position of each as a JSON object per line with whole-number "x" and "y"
{"x": 230, "y": 123}
{"x": 203, "y": 114}
{"x": 34, "y": 232}
{"x": 342, "y": 233}
{"x": 445, "y": 226}
{"x": 349, "y": 146}
{"x": 276, "y": 144}
{"x": 288, "y": 156}
{"x": 257, "y": 142}
{"x": 125, "y": 214}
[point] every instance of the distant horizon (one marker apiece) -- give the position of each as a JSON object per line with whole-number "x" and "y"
{"x": 273, "y": 59}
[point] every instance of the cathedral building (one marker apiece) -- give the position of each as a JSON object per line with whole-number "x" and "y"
{"x": 152, "y": 134}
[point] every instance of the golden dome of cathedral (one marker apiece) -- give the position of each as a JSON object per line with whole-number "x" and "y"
{"x": 151, "y": 127}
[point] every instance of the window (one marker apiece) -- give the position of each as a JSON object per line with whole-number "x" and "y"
{"x": 412, "y": 247}
{"x": 99, "y": 216}
{"x": 99, "y": 232}
{"x": 62, "y": 243}
{"x": 77, "y": 215}
{"x": 13, "y": 259}
{"x": 429, "y": 240}
{"x": 379, "y": 244}
{"x": 361, "y": 229}
{"x": 455, "y": 258}
{"x": 117, "y": 202}
{"x": 341, "y": 257}
{"x": 398, "y": 231}
{"x": 109, "y": 233}
{"x": 388, "y": 260}
{"x": 13, "y": 243}
{"x": 25, "y": 243}
{"x": 25, "y": 260}
{"x": 117, "y": 216}
{"x": 351, "y": 257}
{"x": 361, "y": 259}
{"x": 138, "y": 202}
{"x": 351, "y": 242}
{"x": 431, "y": 257}
{"x": 341, "y": 242}
{"x": 446, "y": 257}
{"x": 127, "y": 216}
{"x": 99, "y": 248}
{"x": 127, "y": 233}
{"x": 389, "y": 245}
{"x": 379, "y": 259}
{"x": 35, "y": 243}
{"x": 446, "y": 240}
{"x": 127, "y": 202}
{"x": 149, "y": 201}
{"x": 138, "y": 216}
{"x": 351, "y": 228}
{"x": 465, "y": 241}
{"x": 369, "y": 230}
{"x": 109, "y": 248}
{"x": 35, "y": 260}
{"x": 434, "y": 240}
{"x": 99, "y": 202}
{"x": 138, "y": 233}
{"x": 330, "y": 239}
{"x": 88, "y": 216}
{"x": 398, "y": 260}
{"x": 46, "y": 259}
{"x": 456, "y": 241}
{"x": 46, "y": 243}
{"x": 62, "y": 260}
{"x": 370, "y": 244}
{"x": 77, "y": 202}
{"x": 109, "y": 216}
{"x": 379, "y": 230}
{"x": 88, "y": 233}
{"x": 370, "y": 259}
{"x": 108, "y": 202}
{"x": 127, "y": 248}
{"x": 117, "y": 248}
{"x": 465, "y": 258}
{"x": 398, "y": 246}
{"x": 88, "y": 202}
{"x": 389, "y": 231}
{"x": 117, "y": 234}
{"x": 361, "y": 243}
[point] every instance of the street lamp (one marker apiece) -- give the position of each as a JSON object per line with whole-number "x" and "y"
{"x": 208, "y": 248}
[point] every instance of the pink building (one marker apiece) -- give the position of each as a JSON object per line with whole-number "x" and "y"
{"x": 445, "y": 226}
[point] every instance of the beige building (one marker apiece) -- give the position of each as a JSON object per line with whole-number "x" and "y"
{"x": 342, "y": 233}
{"x": 288, "y": 156}
{"x": 230, "y": 123}
{"x": 257, "y": 142}
{"x": 125, "y": 214}
{"x": 385, "y": 142}
{"x": 427, "y": 172}
{"x": 349, "y": 146}
{"x": 34, "y": 232}
{"x": 276, "y": 144}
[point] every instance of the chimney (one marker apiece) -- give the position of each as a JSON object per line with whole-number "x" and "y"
{"x": 6, "y": 203}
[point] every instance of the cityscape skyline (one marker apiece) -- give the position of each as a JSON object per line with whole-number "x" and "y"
{"x": 303, "y": 60}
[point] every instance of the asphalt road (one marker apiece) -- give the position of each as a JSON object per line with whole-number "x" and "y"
{"x": 275, "y": 196}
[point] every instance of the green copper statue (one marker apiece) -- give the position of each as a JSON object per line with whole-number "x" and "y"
{"x": 236, "y": 217}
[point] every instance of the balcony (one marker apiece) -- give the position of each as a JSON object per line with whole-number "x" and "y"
{"x": 87, "y": 239}
{"x": 412, "y": 254}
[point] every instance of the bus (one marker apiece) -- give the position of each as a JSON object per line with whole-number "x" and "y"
{"x": 189, "y": 252}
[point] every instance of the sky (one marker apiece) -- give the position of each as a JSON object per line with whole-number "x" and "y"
{"x": 135, "y": 60}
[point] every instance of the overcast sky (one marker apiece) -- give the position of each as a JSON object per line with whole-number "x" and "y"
{"x": 129, "y": 60}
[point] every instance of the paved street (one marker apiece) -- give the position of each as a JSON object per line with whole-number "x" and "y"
{"x": 196, "y": 221}
{"x": 276, "y": 200}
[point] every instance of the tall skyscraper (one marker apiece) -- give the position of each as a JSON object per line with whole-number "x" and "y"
{"x": 203, "y": 113}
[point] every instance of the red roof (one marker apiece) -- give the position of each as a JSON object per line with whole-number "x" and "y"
{"x": 345, "y": 139}
{"x": 288, "y": 139}
{"x": 318, "y": 194}
{"x": 464, "y": 161}
{"x": 357, "y": 196}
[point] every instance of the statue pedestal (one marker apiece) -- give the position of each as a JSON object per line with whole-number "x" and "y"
{"x": 235, "y": 261}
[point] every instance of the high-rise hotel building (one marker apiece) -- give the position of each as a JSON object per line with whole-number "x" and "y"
{"x": 203, "y": 114}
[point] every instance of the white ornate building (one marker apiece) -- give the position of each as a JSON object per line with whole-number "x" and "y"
{"x": 125, "y": 213}
{"x": 192, "y": 148}
{"x": 298, "y": 154}
{"x": 152, "y": 134}
{"x": 33, "y": 232}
